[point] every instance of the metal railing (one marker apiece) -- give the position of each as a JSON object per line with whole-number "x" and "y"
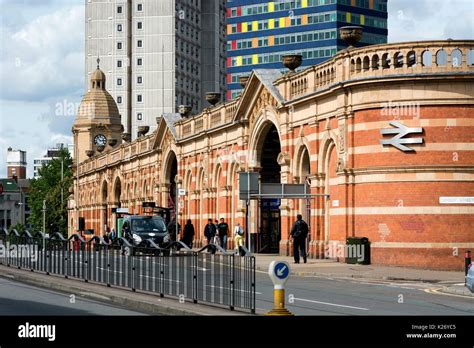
{"x": 196, "y": 276}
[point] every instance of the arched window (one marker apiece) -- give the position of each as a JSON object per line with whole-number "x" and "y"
{"x": 358, "y": 64}
{"x": 375, "y": 62}
{"x": 398, "y": 60}
{"x": 366, "y": 63}
{"x": 441, "y": 58}
{"x": 426, "y": 58}
{"x": 385, "y": 61}
{"x": 411, "y": 59}
{"x": 470, "y": 57}
{"x": 456, "y": 58}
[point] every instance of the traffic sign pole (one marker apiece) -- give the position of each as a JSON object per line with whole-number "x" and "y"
{"x": 279, "y": 271}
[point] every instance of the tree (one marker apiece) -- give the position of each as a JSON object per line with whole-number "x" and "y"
{"x": 48, "y": 187}
{"x": 19, "y": 227}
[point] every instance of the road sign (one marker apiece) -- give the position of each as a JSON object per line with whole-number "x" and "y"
{"x": 401, "y": 130}
{"x": 248, "y": 184}
{"x": 181, "y": 192}
{"x": 279, "y": 271}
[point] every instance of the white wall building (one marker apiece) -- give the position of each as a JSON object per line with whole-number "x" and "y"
{"x": 51, "y": 153}
{"x": 16, "y": 163}
{"x": 157, "y": 54}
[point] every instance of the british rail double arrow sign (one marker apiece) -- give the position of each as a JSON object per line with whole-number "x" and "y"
{"x": 401, "y": 131}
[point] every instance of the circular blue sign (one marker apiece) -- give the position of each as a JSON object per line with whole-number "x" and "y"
{"x": 281, "y": 270}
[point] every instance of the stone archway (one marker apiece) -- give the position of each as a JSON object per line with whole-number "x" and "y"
{"x": 117, "y": 192}
{"x": 301, "y": 172}
{"x": 170, "y": 171}
{"x": 117, "y": 200}
{"x": 266, "y": 149}
{"x": 104, "y": 216}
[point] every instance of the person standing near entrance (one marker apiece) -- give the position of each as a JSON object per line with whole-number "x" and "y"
{"x": 223, "y": 228}
{"x": 238, "y": 238}
{"x": 299, "y": 232}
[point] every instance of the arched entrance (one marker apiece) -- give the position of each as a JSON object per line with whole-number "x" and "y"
{"x": 171, "y": 170}
{"x": 270, "y": 172}
{"x": 332, "y": 189}
{"x": 117, "y": 194}
{"x": 105, "y": 215}
{"x": 302, "y": 172}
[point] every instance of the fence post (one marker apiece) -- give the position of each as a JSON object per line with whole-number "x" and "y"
{"x": 66, "y": 259}
{"x": 253, "y": 294}
{"x": 47, "y": 247}
{"x": 195, "y": 275}
{"x": 83, "y": 260}
{"x": 107, "y": 252}
{"x": 132, "y": 263}
{"x": 232, "y": 282}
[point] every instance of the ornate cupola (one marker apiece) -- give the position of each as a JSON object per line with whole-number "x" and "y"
{"x": 98, "y": 126}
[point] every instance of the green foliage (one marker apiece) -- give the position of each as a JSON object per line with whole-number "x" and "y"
{"x": 48, "y": 187}
{"x": 19, "y": 227}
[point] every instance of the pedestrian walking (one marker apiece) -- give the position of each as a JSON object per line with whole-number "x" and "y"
{"x": 238, "y": 239}
{"x": 223, "y": 229}
{"x": 112, "y": 235}
{"x": 210, "y": 233}
{"x": 188, "y": 234}
{"x": 299, "y": 232}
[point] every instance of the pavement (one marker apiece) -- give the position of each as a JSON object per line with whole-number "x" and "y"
{"x": 448, "y": 281}
{"x": 118, "y": 297}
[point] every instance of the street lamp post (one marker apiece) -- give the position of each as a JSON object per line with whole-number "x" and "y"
{"x": 62, "y": 183}
{"x": 44, "y": 224}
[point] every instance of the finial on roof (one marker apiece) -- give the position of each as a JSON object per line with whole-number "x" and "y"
{"x": 98, "y": 62}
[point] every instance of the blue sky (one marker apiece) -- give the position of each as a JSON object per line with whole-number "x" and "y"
{"x": 42, "y": 62}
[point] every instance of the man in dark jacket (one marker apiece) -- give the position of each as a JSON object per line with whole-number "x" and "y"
{"x": 188, "y": 234}
{"x": 209, "y": 231}
{"x": 299, "y": 232}
{"x": 223, "y": 228}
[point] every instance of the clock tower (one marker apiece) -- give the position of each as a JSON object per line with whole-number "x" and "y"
{"x": 98, "y": 125}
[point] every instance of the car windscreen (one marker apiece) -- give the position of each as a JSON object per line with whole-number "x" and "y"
{"x": 148, "y": 225}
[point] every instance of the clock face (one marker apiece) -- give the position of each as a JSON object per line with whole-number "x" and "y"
{"x": 100, "y": 140}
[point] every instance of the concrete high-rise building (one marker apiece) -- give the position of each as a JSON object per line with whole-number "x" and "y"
{"x": 16, "y": 163}
{"x": 261, "y": 31}
{"x": 157, "y": 54}
{"x": 51, "y": 153}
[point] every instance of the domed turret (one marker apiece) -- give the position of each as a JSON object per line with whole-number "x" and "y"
{"x": 98, "y": 120}
{"x": 98, "y": 103}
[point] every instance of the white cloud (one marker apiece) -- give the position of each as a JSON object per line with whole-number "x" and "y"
{"x": 45, "y": 57}
{"x": 42, "y": 66}
{"x": 420, "y": 20}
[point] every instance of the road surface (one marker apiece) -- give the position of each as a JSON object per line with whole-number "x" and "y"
{"x": 304, "y": 295}
{"x": 21, "y": 299}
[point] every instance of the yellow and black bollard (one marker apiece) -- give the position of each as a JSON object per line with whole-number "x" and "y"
{"x": 279, "y": 272}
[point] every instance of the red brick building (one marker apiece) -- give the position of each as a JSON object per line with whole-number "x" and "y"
{"x": 323, "y": 126}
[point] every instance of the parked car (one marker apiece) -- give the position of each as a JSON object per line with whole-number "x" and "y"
{"x": 470, "y": 278}
{"x": 139, "y": 229}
